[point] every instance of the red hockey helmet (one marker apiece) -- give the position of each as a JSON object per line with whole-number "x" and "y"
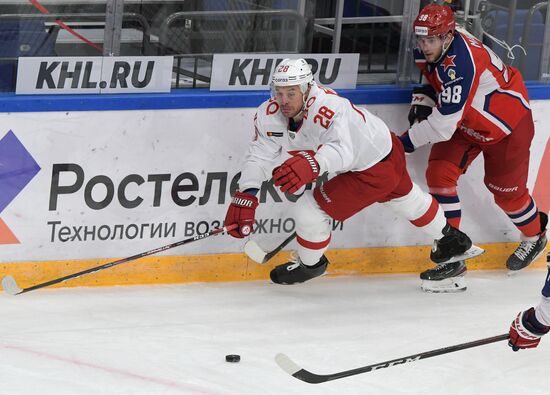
{"x": 434, "y": 20}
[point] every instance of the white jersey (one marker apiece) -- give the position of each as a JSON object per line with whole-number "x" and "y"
{"x": 344, "y": 137}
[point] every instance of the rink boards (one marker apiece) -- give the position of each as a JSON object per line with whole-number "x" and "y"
{"x": 237, "y": 267}
{"x": 84, "y": 187}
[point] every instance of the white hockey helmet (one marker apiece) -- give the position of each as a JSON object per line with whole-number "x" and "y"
{"x": 292, "y": 72}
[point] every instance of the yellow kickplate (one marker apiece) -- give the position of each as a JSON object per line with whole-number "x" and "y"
{"x": 237, "y": 267}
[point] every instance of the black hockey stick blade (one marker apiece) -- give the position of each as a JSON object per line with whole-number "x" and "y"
{"x": 294, "y": 370}
{"x": 10, "y": 285}
{"x": 257, "y": 253}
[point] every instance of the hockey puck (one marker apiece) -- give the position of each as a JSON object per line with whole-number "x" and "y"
{"x": 232, "y": 358}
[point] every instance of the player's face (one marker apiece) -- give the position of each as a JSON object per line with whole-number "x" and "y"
{"x": 290, "y": 98}
{"x": 431, "y": 47}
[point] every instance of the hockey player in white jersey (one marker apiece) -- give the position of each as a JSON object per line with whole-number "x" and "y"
{"x": 530, "y": 325}
{"x": 305, "y": 130}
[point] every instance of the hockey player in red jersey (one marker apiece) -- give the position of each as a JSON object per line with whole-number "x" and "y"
{"x": 530, "y": 325}
{"x": 305, "y": 130}
{"x": 471, "y": 104}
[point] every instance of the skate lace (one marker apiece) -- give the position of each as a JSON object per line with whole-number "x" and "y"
{"x": 524, "y": 249}
{"x": 295, "y": 259}
{"x": 439, "y": 268}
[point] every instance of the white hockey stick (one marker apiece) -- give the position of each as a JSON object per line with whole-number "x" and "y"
{"x": 258, "y": 254}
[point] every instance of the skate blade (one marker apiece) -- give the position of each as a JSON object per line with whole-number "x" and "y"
{"x": 471, "y": 253}
{"x": 448, "y": 285}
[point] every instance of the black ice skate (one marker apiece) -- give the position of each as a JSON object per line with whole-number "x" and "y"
{"x": 296, "y": 272}
{"x": 446, "y": 277}
{"x": 453, "y": 246}
{"x": 528, "y": 251}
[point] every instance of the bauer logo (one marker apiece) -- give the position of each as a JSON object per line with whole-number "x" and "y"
{"x": 253, "y": 72}
{"x": 17, "y": 169}
{"x": 70, "y": 75}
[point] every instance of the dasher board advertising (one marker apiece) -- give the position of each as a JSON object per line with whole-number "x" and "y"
{"x": 253, "y": 72}
{"x": 95, "y": 75}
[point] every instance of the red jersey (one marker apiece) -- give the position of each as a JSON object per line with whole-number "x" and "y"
{"x": 477, "y": 94}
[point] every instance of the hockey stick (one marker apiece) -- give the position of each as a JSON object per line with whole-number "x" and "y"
{"x": 257, "y": 254}
{"x": 63, "y": 25}
{"x": 10, "y": 285}
{"x": 293, "y": 369}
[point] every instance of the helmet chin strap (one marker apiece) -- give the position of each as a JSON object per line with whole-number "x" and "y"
{"x": 300, "y": 113}
{"x": 444, "y": 49}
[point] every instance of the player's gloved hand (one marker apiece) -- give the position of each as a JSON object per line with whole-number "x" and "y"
{"x": 296, "y": 172}
{"x": 422, "y": 103}
{"x": 407, "y": 143}
{"x": 526, "y": 331}
{"x": 241, "y": 211}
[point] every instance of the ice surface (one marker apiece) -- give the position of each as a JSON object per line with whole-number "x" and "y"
{"x": 173, "y": 339}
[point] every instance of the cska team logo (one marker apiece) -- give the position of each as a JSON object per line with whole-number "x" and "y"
{"x": 448, "y": 62}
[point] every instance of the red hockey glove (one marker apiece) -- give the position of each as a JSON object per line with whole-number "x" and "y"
{"x": 296, "y": 172}
{"x": 526, "y": 331}
{"x": 241, "y": 211}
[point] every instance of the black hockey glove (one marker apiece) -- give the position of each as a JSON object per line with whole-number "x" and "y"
{"x": 423, "y": 101}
